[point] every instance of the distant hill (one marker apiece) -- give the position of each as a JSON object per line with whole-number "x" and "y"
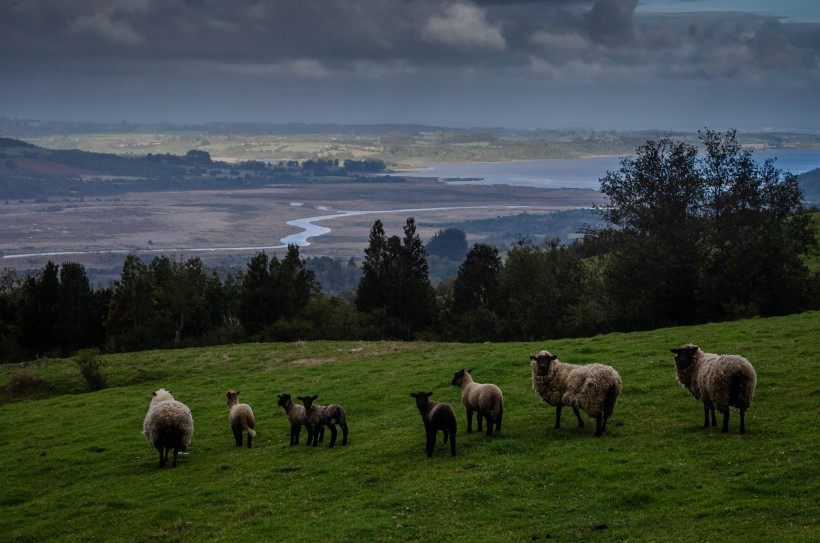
{"x": 810, "y": 182}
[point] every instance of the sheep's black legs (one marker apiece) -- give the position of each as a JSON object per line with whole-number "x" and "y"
{"x": 725, "y": 421}
{"x": 489, "y": 424}
{"x": 332, "y": 434}
{"x": 162, "y": 457}
{"x": 237, "y": 436}
{"x": 498, "y": 420}
{"x": 578, "y": 416}
{"x": 742, "y": 421}
{"x": 431, "y": 442}
{"x": 344, "y": 432}
{"x": 176, "y": 452}
{"x": 470, "y": 421}
{"x": 558, "y": 416}
{"x": 705, "y": 416}
{"x": 599, "y": 427}
{"x": 250, "y": 437}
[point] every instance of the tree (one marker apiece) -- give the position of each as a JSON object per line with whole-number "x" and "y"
{"x": 79, "y": 319}
{"x": 132, "y": 308}
{"x": 477, "y": 296}
{"x": 395, "y": 289}
{"x": 38, "y": 310}
{"x": 450, "y": 243}
{"x": 703, "y": 237}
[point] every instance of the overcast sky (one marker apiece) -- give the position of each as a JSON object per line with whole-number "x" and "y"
{"x": 605, "y": 64}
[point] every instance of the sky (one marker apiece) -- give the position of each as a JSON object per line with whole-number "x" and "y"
{"x": 524, "y": 64}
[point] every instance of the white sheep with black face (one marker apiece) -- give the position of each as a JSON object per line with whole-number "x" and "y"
{"x": 168, "y": 425}
{"x": 719, "y": 381}
{"x": 594, "y": 388}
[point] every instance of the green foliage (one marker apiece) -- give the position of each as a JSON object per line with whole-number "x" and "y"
{"x": 656, "y": 475}
{"x": 450, "y": 243}
{"x": 92, "y": 368}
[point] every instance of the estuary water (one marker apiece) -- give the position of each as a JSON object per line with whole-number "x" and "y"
{"x": 583, "y": 173}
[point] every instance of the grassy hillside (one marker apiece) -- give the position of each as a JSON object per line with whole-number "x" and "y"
{"x": 75, "y": 467}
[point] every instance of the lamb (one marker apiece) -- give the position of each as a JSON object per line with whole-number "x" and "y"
{"x": 720, "y": 381}
{"x": 297, "y": 416}
{"x": 436, "y": 416}
{"x": 486, "y": 399}
{"x": 168, "y": 425}
{"x": 324, "y": 415}
{"x": 240, "y": 417}
{"x": 592, "y": 387}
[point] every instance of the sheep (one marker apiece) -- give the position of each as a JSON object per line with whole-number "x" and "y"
{"x": 324, "y": 415}
{"x": 436, "y": 416}
{"x": 486, "y": 399}
{"x": 720, "y": 381}
{"x": 240, "y": 417}
{"x": 592, "y": 387}
{"x": 168, "y": 425}
{"x": 297, "y": 416}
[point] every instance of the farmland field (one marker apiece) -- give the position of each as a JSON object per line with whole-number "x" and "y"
{"x": 75, "y": 467}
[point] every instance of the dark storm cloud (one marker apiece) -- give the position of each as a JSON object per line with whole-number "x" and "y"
{"x": 466, "y": 54}
{"x": 319, "y": 38}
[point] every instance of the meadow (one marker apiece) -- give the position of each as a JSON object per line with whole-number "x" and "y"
{"x": 76, "y": 467}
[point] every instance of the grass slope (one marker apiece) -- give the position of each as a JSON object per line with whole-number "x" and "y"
{"x": 75, "y": 467}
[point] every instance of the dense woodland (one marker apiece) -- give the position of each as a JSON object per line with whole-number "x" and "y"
{"x": 685, "y": 238}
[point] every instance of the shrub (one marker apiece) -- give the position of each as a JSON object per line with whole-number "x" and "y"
{"x": 92, "y": 369}
{"x": 25, "y": 382}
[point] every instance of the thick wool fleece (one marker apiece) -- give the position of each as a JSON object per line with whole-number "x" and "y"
{"x": 582, "y": 387}
{"x": 709, "y": 379}
{"x": 164, "y": 412}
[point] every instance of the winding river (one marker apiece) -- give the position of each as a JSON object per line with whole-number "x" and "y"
{"x": 307, "y": 224}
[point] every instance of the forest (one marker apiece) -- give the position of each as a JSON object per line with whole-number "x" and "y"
{"x": 685, "y": 238}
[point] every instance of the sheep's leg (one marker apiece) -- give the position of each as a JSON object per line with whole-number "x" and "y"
{"x": 321, "y": 432}
{"x": 705, "y": 415}
{"x": 470, "y": 421}
{"x": 603, "y": 425}
{"x": 599, "y": 426}
{"x": 343, "y": 424}
{"x": 176, "y": 452}
{"x": 490, "y": 424}
{"x": 714, "y": 420}
{"x": 250, "y": 437}
{"x": 162, "y": 457}
{"x": 332, "y": 434}
{"x": 742, "y": 421}
{"x": 578, "y": 416}
{"x": 237, "y": 435}
{"x": 498, "y": 420}
{"x": 431, "y": 442}
{"x": 558, "y": 416}
{"x": 725, "y": 421}
{"x": 480, "y": 419}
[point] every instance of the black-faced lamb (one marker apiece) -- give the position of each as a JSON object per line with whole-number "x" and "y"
{"x": 297, "y": 416}
{"x": 436, "y": 417}
{"x": 240, "y": 418}
{"x": 485, "y": 399}
{"x": 319, "y": 416}
{"x": 719, "y": 381}
{"x": 594, "y": 388}
{"x": 168, "y": 425}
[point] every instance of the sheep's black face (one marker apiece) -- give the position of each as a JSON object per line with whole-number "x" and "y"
{"x": 684, "y": 356}
{"x": 543, "y": 363}
{"x": 422, "y": 399}
{"x": 459, "y": 375}
{"x": 283, "y": 400}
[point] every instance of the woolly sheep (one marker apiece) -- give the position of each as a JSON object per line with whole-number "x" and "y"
{"x": 592, "y": 387}
{"x": 297, "y": 416}
{"x": 486, "y": 399}
{"x": 240, "y": 417}
{"x": 720, "y": 381}
{"x": 324, "y": 415}
{"x": 168, "y": 425}
{"x": 436, "y": 416}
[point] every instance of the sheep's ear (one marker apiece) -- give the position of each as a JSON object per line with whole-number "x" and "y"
{"x": 153, "y": 394}
{"x": 554, "y": 357}
{"x": 237, "y": 393}
{"x": 470, "y": 370}
{"x": 429, "y": 394}
{"x": 413, "y": 394}
{"x": 533, "y": 357}
{"x": 314, "y": 397}
{"x": 676, "y": 351}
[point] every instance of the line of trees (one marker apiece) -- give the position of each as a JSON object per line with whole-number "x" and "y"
{"x": 686, "y": 238}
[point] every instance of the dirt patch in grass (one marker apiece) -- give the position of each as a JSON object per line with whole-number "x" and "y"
{"x": 305, "y": 362}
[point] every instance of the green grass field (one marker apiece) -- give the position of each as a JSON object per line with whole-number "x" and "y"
{"x": 76, "y": 467}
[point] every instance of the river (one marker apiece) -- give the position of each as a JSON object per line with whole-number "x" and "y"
{"x": 582, "y": 173}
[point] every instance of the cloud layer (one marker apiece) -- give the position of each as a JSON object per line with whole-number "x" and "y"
{"x": 551, "y": 47}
